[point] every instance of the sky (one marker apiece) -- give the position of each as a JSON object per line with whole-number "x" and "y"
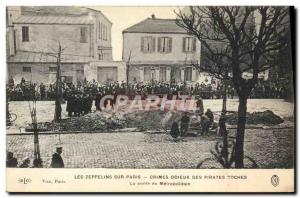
{"x": 124, "y": 17}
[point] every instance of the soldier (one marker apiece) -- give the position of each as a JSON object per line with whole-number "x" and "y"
{"x": 57, "y": 161}
{"x": 97, "y": 101}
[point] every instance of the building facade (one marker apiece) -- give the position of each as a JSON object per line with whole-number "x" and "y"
{"x": 83, "y": 33}
{"x": 160, "y": 50}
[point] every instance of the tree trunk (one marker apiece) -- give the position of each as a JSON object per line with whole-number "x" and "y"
{"x": 239, "y": 147}
{"x": 224, "y": 109}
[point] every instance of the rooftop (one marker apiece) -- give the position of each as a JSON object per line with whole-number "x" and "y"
{"x": 155, "y": 25}
{"x": 53, "y": 20}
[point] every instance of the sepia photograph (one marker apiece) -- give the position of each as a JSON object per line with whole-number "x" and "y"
{"x": 144, "y": 87}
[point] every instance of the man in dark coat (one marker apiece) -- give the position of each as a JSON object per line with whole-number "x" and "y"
{"x": 205, "y": 124}
{"x": 57, "y": 161}
{"x": 175, "y": 133}
{"x": 210, "y": 115}
{"x": 185, "y": 120}
{"x": 11, "y": 161}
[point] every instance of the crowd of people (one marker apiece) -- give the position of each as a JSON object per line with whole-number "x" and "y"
{"x": 85, "y": 92}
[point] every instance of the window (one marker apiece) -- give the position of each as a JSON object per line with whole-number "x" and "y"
{"x": 104, "y": 36}
{"x": 83, "y": 35}
{"x": 53, "y": 69}
{"x": 149, "y": 74}
{"x": 164, "y": 44}
{"x": 162, "y": 74}
{"x": 100, "y": 56}
{"x": 26, "y": 69}
{"x": 25, "y": 33}
{"x": 189, "y": 44}
{"x": 103, "y": 32}
{"x": 188, "y": 74}
{"x": 99, "y": 30}
{"x": 67, "y": 79}
{"x": 148, "y": 44}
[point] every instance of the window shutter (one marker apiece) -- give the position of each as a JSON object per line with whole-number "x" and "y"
{"x": 153, "y": 44}
{"x": 194, "y": 44}
{"x": 183, "y": 44}
{"x": 23, "y": 33}
{"x": 170, "y": 45}
{"x": 159, "y": 44}
{"x": 142, "y": 44}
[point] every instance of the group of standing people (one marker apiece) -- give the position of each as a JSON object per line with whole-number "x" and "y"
{"x": 56, "y": 161}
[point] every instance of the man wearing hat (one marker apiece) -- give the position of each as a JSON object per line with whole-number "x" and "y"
{"x": 57, "y": 161}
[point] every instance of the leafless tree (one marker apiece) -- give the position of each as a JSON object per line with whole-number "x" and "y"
{"x": 237, "y": 40}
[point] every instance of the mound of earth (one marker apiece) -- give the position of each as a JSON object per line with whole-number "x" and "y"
{"x": 152, "y": 120}
{"x": 144, "y": 121}
{"x": 266, "y": 118}
{"x": 90, "y": 122}
{"x": 104, "y": 122}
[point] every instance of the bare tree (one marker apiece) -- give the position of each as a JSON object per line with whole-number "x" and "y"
{"x": 237, "y": 39}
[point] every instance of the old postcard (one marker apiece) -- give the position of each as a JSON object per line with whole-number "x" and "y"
{"x": 150, "y": 99}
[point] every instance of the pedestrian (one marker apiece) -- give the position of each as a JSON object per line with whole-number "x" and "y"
{"x": 57, "y": 161}
{"x": 210, "y": 115}
{"x": 11, "y": 161}
{"x": 222, "y": 124}
{"x": 199, "y": 105}
{"x": 185, "y": 120}
{"x": 25, "y": 163}
{"x": 175, "y": 133}
{"x": 205, "y": 123}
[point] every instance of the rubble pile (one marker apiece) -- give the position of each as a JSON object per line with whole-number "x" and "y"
{"x": 89, "y": 123}
{"x": 266, "y": 118}
{"x": 145, "y": 120}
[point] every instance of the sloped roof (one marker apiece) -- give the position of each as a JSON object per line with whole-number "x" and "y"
{"x": 53, "y": 10}
{"x": 59, "y": 11}
{"x": 154, "y": 25}
{"x": 53, "y": 20}
{"x": 39, "y": 57}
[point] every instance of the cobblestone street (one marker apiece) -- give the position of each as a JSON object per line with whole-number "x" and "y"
{"x": 270, "y": 148}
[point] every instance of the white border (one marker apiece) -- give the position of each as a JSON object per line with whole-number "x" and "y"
{"x": 5, "y": 3}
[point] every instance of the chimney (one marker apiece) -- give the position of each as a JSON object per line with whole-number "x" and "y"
{"x": 153, "y": 16}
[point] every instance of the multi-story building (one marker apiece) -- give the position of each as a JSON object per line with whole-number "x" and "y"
{"x": 83, "y": 33}
{"x": 159, "y": 50}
